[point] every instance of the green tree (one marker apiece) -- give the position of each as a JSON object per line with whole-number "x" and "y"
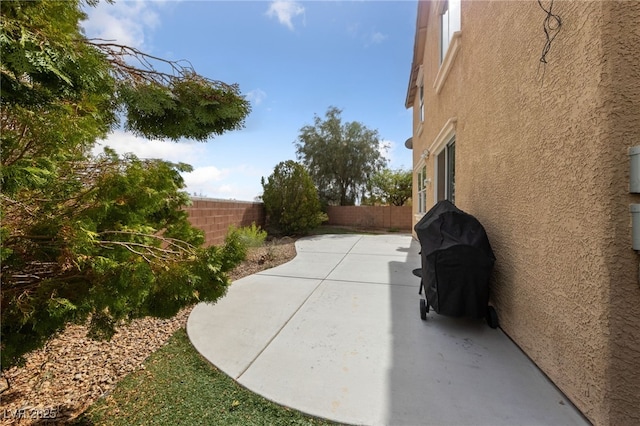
{"x": 291, "y": 200}
{"x": 104, "y": 238}
{"x": 392, "y": 187}
{"x": 341, "y": 158}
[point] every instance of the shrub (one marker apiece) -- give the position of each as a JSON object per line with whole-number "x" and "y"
{"x": 250, "y": 236}
{"x": 291, "y": 200}
{"x": 122, "y": 249}
{"x": 236, "y": 249}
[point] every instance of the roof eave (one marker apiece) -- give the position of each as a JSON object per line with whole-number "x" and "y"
{"x": 418, "y": 50}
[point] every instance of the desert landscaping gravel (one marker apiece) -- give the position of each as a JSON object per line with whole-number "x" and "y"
{"x": 65, "y": 377}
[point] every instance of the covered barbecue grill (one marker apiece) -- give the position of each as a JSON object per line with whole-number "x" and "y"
{"x": 456, "y": 264}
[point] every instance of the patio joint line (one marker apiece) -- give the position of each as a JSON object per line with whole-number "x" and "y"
{"x": 371, "y": 283}
{"x": 262, "y": 274}
{"x": 322, "y": 280}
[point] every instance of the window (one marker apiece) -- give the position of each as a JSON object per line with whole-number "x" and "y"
{"x": 420, "y": 84}
{"x": 422, "y": 190}
{"x": 444, "y": 149}
{"x": 451, "y": 172}
{"x": 421, "y": 89}
{"x": 446, "y": 173}
{"x": 449, "y": 24}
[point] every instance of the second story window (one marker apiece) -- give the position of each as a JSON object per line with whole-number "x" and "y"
{"x": 421, "y": 90}
{"x": 449, "y": 24}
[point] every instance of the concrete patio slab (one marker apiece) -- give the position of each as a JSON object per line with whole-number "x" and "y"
{"x": 319, "y": 266}
{"x": 237, "y": 328}
{"x": 350, "y": 346}
{"x": 386, "y": 245}
{"x": 342, "y": 243}
{"x": 374, "y": 268}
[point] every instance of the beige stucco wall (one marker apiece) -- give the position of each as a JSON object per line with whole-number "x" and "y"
{"x": 541, "y": 161}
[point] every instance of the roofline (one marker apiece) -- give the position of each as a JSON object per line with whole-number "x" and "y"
{"x": 418, "y": 49}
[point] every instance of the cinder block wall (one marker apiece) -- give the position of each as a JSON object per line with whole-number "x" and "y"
{"x": 215, "y": 216}
{"x": 382, "y": 217}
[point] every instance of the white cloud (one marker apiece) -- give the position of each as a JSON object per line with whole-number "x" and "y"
{"x": 238, "y": 182}
{"x": 285, "y": 11}
{"x": 204, "y": 175}
{"x": 377, "y": 37}
{"x": 123, "y": 142}
{"x": 395, "y": 154}
{"x": 205, "y": 181}
{"x": 256, "y": 96}
{"x": 124, "y": 22}
{"x": 227, "y": 189}
{"x": 231, "y": 183}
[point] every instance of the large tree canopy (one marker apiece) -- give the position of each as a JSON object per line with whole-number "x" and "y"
{"x": 340, "y": 157}
{"x": 391, "y": 187}
{"x": 102, "y": 238}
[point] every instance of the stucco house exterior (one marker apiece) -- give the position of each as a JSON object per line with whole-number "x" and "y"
{"x": 531, "y": 132}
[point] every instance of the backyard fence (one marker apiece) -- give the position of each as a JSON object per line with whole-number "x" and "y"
{"x": 371, "y": 217}
{"x": 215, "y": 216}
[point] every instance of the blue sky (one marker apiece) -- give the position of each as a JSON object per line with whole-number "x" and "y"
{"x": 292, "y": 59}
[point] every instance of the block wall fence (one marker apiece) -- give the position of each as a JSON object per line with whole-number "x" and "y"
{"x": 374, "y": 217}
{"x": 215, "y": 216}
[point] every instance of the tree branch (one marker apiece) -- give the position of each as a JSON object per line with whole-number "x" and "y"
{"x": 23, "y": 206}
{"x": 174, "y": 250}
{"x": 9, "y": 158}
{"x": 146, "y": 72}
{"x": 180, "y": 244}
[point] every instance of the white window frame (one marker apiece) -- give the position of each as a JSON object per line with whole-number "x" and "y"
{"x": 439, "y": 145}
{"x": 450, "y": 17}
{"x": 444, "y": 188}
{"x": 422, "y": 188}
{"x": 450, "y": 41}
{"x": 421, "y": 92}
{"x": 421, "y": 106}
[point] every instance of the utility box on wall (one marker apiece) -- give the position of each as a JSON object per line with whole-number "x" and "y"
{"x": 634, "y": 169}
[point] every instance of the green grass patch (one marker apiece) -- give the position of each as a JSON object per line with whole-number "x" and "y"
{"x": 179, "y": 387}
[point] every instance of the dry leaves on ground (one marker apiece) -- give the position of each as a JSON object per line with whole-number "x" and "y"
{"x": 66, "y": 376}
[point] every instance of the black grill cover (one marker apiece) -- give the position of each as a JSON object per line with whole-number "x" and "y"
{"x": 456, "y": 261}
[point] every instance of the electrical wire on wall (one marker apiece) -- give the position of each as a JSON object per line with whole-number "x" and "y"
{"x": 551, "y": 25}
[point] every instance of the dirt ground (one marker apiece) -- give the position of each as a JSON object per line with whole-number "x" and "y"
{"x": 66, "y": 376}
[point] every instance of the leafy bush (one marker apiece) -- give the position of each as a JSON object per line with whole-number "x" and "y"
{"x": 291, "y": 200}
{"x": 122, "y": 249}
{"x": 102, "y": 238}
{"x": 236, "y": 249}
{"x": 250, "y": 236}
